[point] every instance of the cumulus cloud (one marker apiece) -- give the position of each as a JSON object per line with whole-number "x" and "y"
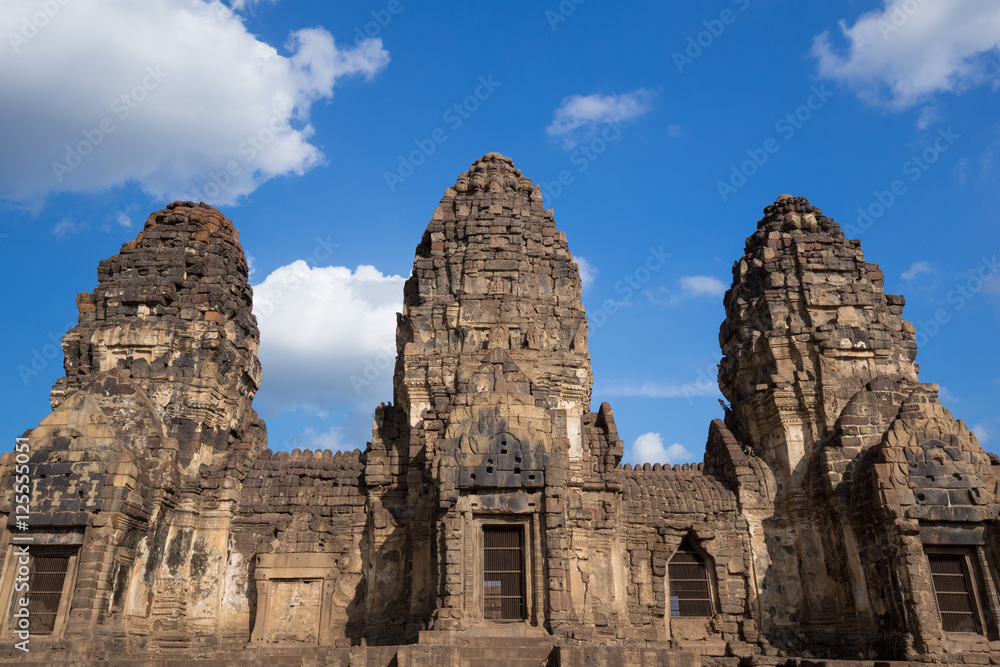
{"x": 327, "y": 339}
{"x": 908, "y": 51}
{"x": 702, "y": 286}
{"x": 649, "y": 448}
{"x": 588, "y": 272}
{"x": 916, "y": 270}
{"x": 174, "y": 95}
{"x": 690, "y": 287}
{"x": 578, "y": 116}
{"x": 123, "y": 219}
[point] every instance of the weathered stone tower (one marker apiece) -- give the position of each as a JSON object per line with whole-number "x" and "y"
{"x": 807, "y": 327}
{"x": 492, "y": 413}
{"x": 840, "y": 513}
{"x": 819, "y": 368}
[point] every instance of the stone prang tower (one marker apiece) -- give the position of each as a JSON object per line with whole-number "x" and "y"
{"x": 841, "y": 513}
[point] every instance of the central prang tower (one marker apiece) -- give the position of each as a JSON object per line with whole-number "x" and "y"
{"x": 492, "y": 271}
{"x": 492, "y": 405}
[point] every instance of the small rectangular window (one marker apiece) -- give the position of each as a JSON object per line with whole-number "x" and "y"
{"x": 955, "y": 596}
{"x": 503, "y": 573}
{"x": 690, "y": 589}
{"x": 47, "y": 573}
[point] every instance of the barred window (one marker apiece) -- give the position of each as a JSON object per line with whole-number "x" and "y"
{"x": 953, "y": 588}
{"x": 47, "y": 573}
{"x": 690, "y": 587}
{"x": 503, "y": 573}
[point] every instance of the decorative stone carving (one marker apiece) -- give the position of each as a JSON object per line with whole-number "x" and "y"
{"x": 833, "y": 477}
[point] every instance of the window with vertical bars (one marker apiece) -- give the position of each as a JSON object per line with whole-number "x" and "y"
{"x": 690, "y": 590}
{"x": 955, "y": 597}
{"x": 503, "y": 573}
{"x": 47, "y": 573}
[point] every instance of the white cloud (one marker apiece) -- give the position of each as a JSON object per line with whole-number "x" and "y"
{"x": 329, "y": 439}
{"x": 916, "y": 270}
{"x": 239, "y": 5}
{"x": 946, "y": 396}
{"x": 910, "y": 50}
{"x": 703, "y": 286}
{"x": 691, "y": 287}
{"x": 578, "y": 116}
{"x": 588, "y": 272}
{"x": 987, "y": 157}
{"x": 704, "y": 387}
{"x": 649, "y": 447}
{"x": 929, "y": 115}
{"x": 67, "y": 227}
{"x": 977, "y": 169}
{"x": 174, "y": 95}
{"x": 327, "y": 338}
{"x": 123, "y": 219}
{"x": 982, "y": 433}
{"x": 960, "y": 171}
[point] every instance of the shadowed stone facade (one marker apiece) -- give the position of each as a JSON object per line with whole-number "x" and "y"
{"x": 841, "y": 512}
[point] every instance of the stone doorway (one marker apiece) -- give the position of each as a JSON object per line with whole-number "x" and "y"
{"x": 503, "y": 573}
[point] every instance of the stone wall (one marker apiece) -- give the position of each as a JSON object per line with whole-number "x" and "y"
{"x": 301, "y": 503}
{"x": 664, "y": 506}
{"x": 827, "y": 494}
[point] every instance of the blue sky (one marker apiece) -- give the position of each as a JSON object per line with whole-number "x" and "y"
{"x": 329, "y": 131}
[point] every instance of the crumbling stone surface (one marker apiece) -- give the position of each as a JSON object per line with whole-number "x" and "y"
{"x": 819, "y": 368}
{"x": 492, "y": 270}
{"x": 807, "y": 324}
{"x": 827, "y": 494}
{"x": 172, "y": 313}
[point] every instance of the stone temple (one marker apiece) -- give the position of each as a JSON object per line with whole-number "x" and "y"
{"x": 841, "y": 512}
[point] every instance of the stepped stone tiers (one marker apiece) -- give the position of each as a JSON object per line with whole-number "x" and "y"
{"x": 841, "y": 514}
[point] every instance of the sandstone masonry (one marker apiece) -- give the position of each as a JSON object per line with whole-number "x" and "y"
{"x": 841, "y": 513}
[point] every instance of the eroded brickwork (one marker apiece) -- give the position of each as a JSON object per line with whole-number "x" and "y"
{"x": 837, "y": 507}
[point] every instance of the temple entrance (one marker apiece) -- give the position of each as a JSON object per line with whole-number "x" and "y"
{"x": 503, "y": 573}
